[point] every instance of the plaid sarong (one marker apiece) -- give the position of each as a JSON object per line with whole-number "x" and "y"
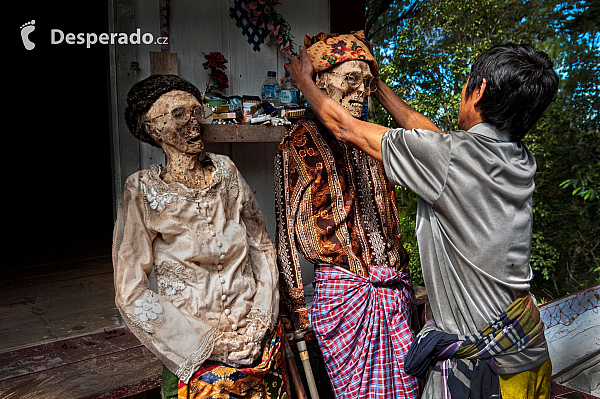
{"x": 468, "y": 369}
{"x": 363, "y": 329}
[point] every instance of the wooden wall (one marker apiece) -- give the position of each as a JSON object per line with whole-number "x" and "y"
{"x": 197, "y": 27}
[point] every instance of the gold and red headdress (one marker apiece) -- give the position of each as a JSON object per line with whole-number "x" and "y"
{"x": 328, "y": 49}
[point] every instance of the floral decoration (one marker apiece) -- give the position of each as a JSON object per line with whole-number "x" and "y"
{"x": 262, "y": 13}
{"x": 343, "y": 52}
{"x": 328, "y": 49}
{"x": 156, "y": 199}
{"x": 171, "y": 280}
{"x": 147, "y": 310}
{"x": 218, "y": 80}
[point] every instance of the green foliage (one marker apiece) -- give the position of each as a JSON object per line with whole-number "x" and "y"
{"x": 407, "y": 208}
{"x": 425, "y": 49}
{"x": 544, "y": 256}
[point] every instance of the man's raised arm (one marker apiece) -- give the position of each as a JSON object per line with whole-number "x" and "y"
{"x": 402, "y": 113}
{"x": 363, "y": 135}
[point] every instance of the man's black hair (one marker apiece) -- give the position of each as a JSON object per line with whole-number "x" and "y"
{"x": 521, "y": 83}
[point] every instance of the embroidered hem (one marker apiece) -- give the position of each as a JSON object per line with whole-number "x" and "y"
{"x": 195, "y": 360}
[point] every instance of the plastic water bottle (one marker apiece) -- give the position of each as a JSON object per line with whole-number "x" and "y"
{"x": 288, "y": 94}
{"x": 270, "y": 89}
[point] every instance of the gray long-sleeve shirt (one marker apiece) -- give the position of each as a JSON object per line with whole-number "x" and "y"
{"x": 474, "y": 223}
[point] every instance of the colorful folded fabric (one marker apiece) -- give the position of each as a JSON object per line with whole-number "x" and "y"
{"x": 467, "y": 363}
{"x": 266, "y": 380}
{"x": 328, "y": 49}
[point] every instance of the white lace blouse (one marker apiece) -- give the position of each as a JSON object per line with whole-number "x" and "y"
{"x": 214, "y": 264}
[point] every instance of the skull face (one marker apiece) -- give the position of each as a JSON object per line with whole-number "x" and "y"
{"x": 348, "y": 83}
{"x": 173, "y": 123}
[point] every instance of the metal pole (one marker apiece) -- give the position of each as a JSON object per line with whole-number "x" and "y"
{"x": 294, "y": 374}
{"x": 303, "y": 352}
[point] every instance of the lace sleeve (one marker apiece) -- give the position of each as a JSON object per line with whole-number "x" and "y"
{"x": 180, "y": 341}
{"x": 261, "y": 252}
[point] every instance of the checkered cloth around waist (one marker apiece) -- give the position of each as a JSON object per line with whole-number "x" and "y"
{"x": 363, "y": 328}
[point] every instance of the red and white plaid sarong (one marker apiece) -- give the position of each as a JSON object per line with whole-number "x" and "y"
{"x": 363, "y": 329}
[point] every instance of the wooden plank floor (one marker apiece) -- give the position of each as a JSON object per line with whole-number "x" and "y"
{"x": 49, "y": 301}
{"x": 59, "y": 330}
{"x": 108, "y": 364}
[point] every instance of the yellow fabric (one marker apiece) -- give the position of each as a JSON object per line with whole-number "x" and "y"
{"x": 531, "y": 384}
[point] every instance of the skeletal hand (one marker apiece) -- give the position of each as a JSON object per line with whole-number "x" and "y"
{"x": 241, "y": 347}
{"x": 228, "y": 343}
{"x": 246, "y": 355}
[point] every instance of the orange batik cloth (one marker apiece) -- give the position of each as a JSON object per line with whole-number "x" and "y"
{"x": 267, "y": 380}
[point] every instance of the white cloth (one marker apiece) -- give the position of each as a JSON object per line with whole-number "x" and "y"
{"x": 214, "y": 264}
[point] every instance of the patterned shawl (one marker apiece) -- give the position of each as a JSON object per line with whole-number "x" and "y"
{"x": 334, "y": 205}
{"x": 468, "y": 368}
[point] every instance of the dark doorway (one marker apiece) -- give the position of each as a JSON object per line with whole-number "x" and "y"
{"x": 59, "y": 176}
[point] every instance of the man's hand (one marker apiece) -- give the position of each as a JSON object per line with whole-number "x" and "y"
{"x": 300, "y": 69}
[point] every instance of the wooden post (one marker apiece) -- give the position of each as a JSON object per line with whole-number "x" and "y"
{"x": 163, "y": 63}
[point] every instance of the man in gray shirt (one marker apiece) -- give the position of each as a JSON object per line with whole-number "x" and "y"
{"x": 474, "y": 217}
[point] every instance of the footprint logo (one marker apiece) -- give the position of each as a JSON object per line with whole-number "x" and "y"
{"x": 26, "y": 29}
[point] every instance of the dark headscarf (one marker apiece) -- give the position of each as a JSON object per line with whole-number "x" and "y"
{"x": 145, "y": 93}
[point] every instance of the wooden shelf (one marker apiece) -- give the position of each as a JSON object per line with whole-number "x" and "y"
{"x": 243, "y": 133}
